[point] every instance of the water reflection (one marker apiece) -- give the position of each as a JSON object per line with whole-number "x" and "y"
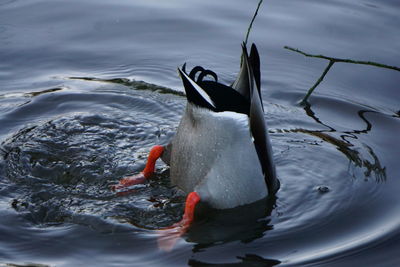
{"x": 246, "y": 260}
{"x": 345, "y": 146}
{"x": 214, "y": 227}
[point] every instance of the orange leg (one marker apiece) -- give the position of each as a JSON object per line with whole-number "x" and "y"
{"x": 191, "y": 201}
{"x": 170, "y": 235}
{"x": 155, "y": 153}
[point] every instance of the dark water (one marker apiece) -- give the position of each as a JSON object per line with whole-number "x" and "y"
{"x": 74, "y": 119}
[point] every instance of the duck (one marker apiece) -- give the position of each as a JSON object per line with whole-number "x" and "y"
{"x": 221, "y": 153}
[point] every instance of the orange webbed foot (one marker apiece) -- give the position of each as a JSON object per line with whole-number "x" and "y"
{"x": 170, "y": 235}
{"x": 129, "y": 181}
{"x": 155, "y": 153}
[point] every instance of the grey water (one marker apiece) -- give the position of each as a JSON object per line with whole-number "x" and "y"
{"x": 88, "y": 87}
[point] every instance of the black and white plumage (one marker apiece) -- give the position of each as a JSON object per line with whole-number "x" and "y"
{"x": 221, "y": 149}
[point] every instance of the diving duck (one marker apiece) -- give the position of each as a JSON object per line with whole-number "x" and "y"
{"x": 221, "y": 153}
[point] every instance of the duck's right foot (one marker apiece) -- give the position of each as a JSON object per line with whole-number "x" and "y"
{"x": 170, "y": 235}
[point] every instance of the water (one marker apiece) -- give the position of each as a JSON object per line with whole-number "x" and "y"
{"x": 74, "y": 119}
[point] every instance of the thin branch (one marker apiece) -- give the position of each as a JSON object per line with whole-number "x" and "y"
{"x": 333, "y": 60}
{"x": 311, "y": 90}
{"x": 371, "y": 63}
{"x": 252, "y": 20}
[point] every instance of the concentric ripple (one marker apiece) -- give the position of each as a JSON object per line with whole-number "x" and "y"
{"x": 63, "y": 167}
{"x": 334, "y": 180}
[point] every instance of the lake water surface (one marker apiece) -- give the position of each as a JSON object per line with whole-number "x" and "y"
{"x": 88, "y": 87}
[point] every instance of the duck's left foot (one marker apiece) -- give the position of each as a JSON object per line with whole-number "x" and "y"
{"x": 129, "y": 181}
{"x": 155, "y": 153}
{"x": 170, "y": 235}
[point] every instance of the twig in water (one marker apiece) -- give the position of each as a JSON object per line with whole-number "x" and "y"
{"x": 311, "y": 90}
{"x": 333, "y": 60}
{"x": 380, "y": 65}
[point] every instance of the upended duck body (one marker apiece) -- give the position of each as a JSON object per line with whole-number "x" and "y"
{"x": 220, "y": 154}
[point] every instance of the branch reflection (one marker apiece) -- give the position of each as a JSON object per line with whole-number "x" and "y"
{"x": 343, "y": 144}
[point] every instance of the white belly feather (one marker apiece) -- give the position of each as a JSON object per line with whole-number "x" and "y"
{"x": 217, "y": 158}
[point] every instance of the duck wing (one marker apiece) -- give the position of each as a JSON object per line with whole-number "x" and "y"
{"x": 241, "y": 84}
{"x": 250, "y": 72}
